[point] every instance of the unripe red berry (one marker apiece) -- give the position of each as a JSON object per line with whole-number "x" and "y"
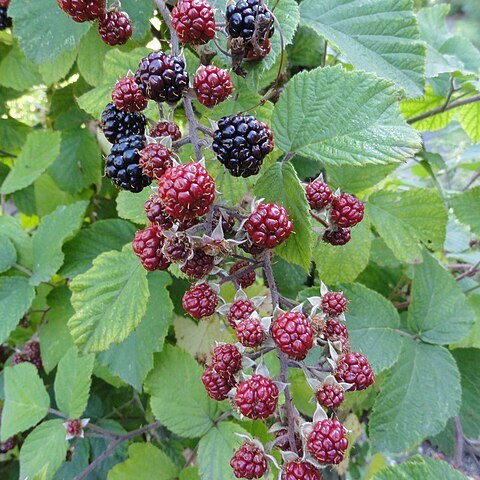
{"x": 199, "y": 265}
{"x": 217, "y": 387}
{"x": 115, "y": 28}
{"x": 327, "y": 441}
{"x": 227, "y": 360}
{"x": 335, "y": 328}
{"x": 166, "y": 129}
{"x": 247, "y": 279}
{"x": 240, "y": 310}
{"x": 200, "y": 301}
{"x": 187, "y": 191}
{"x": 300, "y": 471}
{"x": 156, "y": 213}
{"x": 194, "y": 21}
{"x": 256, "y": 56}
{"x": 318, "y": 195}
{"x": 212, "y": 85}
{"x": 127, "y": 96}
{"x": 8, "y": 445}
{"x": 80, "y": 10}
{"x": 74, "y": 428}
{"x": 249, "y": 462}
{"x": 337, "y": 237}
{"x": 334, "y": 304}
{"x": 293, "y": 334}
{"x": 330, "y": 396}
{"x": 147, "y": 245}
{"x": 269, "y": 225}
{"x": 249, "y": 332}
{"x": 354, "y": 368}
{"x": 257, "y": 397}
{"x": 347, "y": 210}
{"x": 155, "y": 160}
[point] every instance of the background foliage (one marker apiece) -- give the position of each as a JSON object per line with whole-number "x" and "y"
{"x": 391, "y": 115}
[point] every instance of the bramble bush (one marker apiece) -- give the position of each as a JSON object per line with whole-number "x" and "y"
{"x": 238, "y": 240}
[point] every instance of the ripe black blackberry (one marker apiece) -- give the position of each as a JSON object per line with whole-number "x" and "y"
{"x": 117, "y": 124}
{"x": 5, "y": 20}
{"x": 241, "y": 143}
{"x": 122, "y": 164}
{"x": 242, "y": 17}
{"x": 162, "y": 77}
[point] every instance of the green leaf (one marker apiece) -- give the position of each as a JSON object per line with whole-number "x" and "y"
{"x": 40, "y": 150}
{"x": 468, "y": 116}
{"x": 403, "y": 219}
{"x": 132, "y": 359}
{"x": 467, "y": 361}
{"x": 473, "y": 339}
{"x": 466, "y": 206}
{"x": 438, "y": 311}
{"x": 94, "y": 101}
{"x": 78, "y": 164}
{"x": 47, "y": 437}
{"x": 110, "y": 300}
{"x": 8, "y": 254}
{"x": 147, "y": 459}
{"x": 13, "y": 133}
{"x": 72, "y": 383}
{"x": 281, "y": 185}
{"x": 131, "y": 205}
{"x": 47, "y": 241}
{"x": 55, "y": 337}
{"x": 216, "y": 449}
{"x": 429, "y": 101}
{"x": 179, "y": 399}
{"x": 16, "y": 297}
{"x": 344, "y": 264}
{"x": 99, "y": 237}
{"x": 418, "y": 468}
{"x": 445, "y": 52}
{"x": 17, "y": 72}
{"x": 373, "y": 325}
{"x": 13, "y": 230}
{"x": 140, "y": 12}
{"x": 423, "y": 375}
{"x": 379, "y": 36}
{"x": 306, "y": 49}
{"x": 91, "y": 54}
{"x": 43, "y": 30}
{"x": 26, "y": 400}
{"x": 370, "y": 128}
{"x": 53, "y": 71}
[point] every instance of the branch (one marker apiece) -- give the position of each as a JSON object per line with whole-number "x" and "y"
{"x": 459, "y": 442}
{"x": 113, "y": 445}
{"x": 165, "y": 13}
{"x": 443, "y": 108}
{"x": 192, "y": 127}
{"x": 470, "y": 272}
{"x": 241, "y": 273}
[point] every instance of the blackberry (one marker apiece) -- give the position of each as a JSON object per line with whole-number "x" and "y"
{"x": 117, "y": 124}
{"x": 122, "y": 164}
{"x": 5, "y": 20}
{"x": 241, "y": 143}
{"x": 162, "y": 77}
{"x": 245, "y": 15}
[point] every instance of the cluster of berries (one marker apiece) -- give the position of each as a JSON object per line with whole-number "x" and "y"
{"x": 30, "y": 353}
{"x": 5, "y": 20}
{"x": 256, "y": 396}
{"x": 342, "y": 211}
{"x": 114, "y": 26}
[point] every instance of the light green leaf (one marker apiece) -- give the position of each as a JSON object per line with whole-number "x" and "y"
{"x": 17, "y": 72}
{"x": 78, "y": 164}
{"x": 72, "y": 383}
{"x": 26, "y": 400}
{"x": 179, "y": 399}
{"x": 469, "y": 119}
{"x": 47, "y": 437}
{"x": 404, "y": 219}
{"x": 438, "y": 311}
{"x": 140, "y": 12}
{"x": 110, "y": 300}
{"x": 473, "y": 339}
{"x": 418, "y": 468}
{"x": 43, "y": 30}
{"x": 281, "y": 185}
{"x": 445, "y": 52}
{"x": 379, "y": 36}
{"x": 53, "y": 71}
{"x": 147, "y": 459}
{"x": 16, "y": 297}
{"x": 132, "y": 359}
{"x": 373, "y": 324}
{"x": 94, "y": 101}
{"x": 344, "y": 263}
{"x": 423, "y": 375}
{"x": 55, "y": 337}
{"x": 467, "y": 361}
{"x": 40, "y": 150}
{"x": 99, "y": 237}
{"x": 13, "y": 133}
{"x": 216, "y": 449}
{"x": 8, "y": 254}
{"x": 306, "y": 49}
{"x": 91, "y": 54}
{"x": 370, "y": 128}
{"x": 429, "y": 101}
{"x": 466, "y": 206}
{"x": 47, "y": 241}
{"x": 131, "y": 205}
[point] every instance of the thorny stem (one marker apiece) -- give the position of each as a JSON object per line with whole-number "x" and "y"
{"x": 192, "y": 127}
{"x": 165, "y": 13}
{"x": 470, "y": 272}
{"x": 320, "y": 220}
{"x": 444, "y": 108}
{"x": 459, "y": 442}
{"x": 241, "y": 273}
